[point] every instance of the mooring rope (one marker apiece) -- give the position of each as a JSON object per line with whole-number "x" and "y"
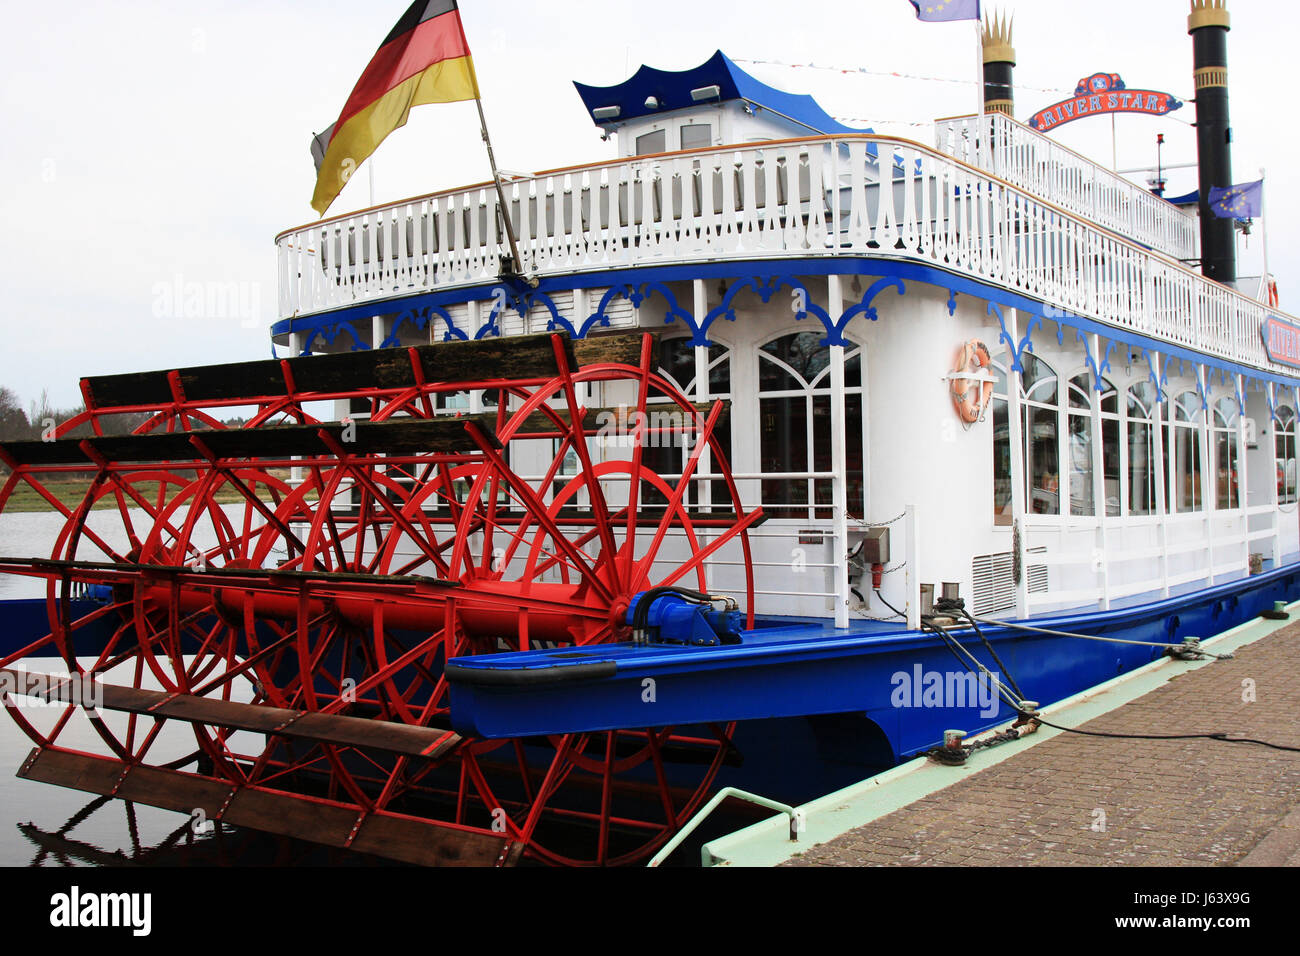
{"x": 1029, "y": 718}
{"x": 1099, "y": 637}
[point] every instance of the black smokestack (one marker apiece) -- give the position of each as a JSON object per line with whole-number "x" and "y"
{"x": 1209, "y": 25}
{"x": 999, "y": 62}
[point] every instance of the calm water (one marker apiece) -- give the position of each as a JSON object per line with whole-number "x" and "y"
{"x": 43, "y": 825}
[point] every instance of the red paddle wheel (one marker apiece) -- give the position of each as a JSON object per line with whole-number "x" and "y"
{"x": 276, "y": 602}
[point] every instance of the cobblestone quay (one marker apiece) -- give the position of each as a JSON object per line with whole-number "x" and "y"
{"x": 1091, "y": 801}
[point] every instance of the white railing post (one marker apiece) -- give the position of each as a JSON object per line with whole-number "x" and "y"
{"x": 1016, "y": 437}
{"x": 839, "y": 464}
{"x": 1162, "y": 472}
{"x": 912, "y": 533}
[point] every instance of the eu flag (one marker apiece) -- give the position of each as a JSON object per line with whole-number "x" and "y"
{"x": 937, "y": 11}
{"x": 1238, "y": 202}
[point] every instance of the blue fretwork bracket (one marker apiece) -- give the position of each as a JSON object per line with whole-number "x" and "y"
{"x": 330, "y": 334}
{"x": 1026, "y": 344}
{"x": 865, "y": 308}
{"x": 1203, "y": 387}
{"x": 420, "y": 318}
{"x": 1163, "y": 378}
{"x": 1098, "y": 373}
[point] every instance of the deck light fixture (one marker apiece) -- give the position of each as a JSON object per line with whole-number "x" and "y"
{"x": 652, "y": 102}
{"x": 607, "y": 112}
{"x": 713, "y": 92}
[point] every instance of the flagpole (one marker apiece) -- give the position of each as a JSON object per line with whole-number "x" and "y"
{"x": 979, "y": 83}
{"x": 1263, "y": 215}
{"x": 516, "y": 262}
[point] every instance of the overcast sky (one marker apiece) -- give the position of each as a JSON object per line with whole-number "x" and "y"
{"x": 148, "y": 144}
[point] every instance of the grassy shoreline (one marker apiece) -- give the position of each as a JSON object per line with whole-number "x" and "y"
{"x": 26, "y": 500}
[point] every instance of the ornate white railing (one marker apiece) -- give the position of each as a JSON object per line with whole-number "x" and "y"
{"x": 1030, "y": 160}
{"x": 796, "y": 198}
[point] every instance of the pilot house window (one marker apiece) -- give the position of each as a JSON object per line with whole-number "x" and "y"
{"x": 648, "y": 144}
{"x": 697, "y": 136}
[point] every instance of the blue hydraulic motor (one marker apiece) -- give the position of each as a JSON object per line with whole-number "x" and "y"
{"x": 671, "y": 615}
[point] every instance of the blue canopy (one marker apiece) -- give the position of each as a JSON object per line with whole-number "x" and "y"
{"x": 673, "y": 92}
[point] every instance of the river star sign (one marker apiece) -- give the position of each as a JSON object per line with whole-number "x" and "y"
{"x": 1282, "y": 341}
{"x": 1104, "y": 93}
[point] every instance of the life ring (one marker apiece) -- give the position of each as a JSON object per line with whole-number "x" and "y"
{"x": 971, "y": 394}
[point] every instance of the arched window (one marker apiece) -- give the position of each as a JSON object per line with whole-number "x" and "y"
{"x": 1041, "y": 397}
{"x": 1143, "y": 457}
{"x": 1186, "y": 416}
{"x": 1079, "y": 445}
{"x": 795, "y": 438}
{"x": 677, "y": 363}
{"x": 1002, "y": 501}
{"x": 1082, "y": 394}
{"x": 1227, "y": 496}
{"x": 1284, "y": 450}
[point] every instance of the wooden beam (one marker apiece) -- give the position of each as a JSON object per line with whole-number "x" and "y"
{"x": 389, "y": 835}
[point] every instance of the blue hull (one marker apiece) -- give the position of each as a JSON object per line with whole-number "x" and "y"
{"x": 808, "y": 668}
{"x": 23, "y": 621}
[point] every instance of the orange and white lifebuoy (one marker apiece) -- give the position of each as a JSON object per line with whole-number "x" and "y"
{"x": 971, "y": 391}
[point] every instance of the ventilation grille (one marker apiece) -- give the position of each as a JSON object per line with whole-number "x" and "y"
{"x": 994, "y": 583}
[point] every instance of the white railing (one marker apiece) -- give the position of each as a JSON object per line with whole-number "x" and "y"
{"x": 796, "y": 198}
{"x": 1030, "y": 160}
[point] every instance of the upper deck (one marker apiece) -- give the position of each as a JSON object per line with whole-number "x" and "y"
{"x": 804, "y": 199}
{"x": 1026, "y": 158}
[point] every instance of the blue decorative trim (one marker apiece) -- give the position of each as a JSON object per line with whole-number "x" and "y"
{"x": 596, "y": 318}
{"x": 865, "y": 308}
{"x": 952, "y": 301}
{"x": 330, "y": 334}
{"x": 1017, "y": 348}
{"x": 766, "y": 291}
{"x": 860, "y": 266}
{"x": 674, "y": 312}
{"x": 532, "y": 299}
{"x": 421, "y": 318}
{"x": 1163, "y": 380}
{"x": 1098, "y": 373}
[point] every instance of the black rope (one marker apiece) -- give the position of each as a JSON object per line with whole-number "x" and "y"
{"x": 887, "y": 604}
{"x": 1222, "y": 738}
{"x": 958, "y": 606}
{"x": 955, "y": 756}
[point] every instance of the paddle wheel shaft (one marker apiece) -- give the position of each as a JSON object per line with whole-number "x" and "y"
{"x": 277, "y": 602}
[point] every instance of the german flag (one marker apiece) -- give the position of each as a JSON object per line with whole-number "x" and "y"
{"x": 425, "y": 59}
